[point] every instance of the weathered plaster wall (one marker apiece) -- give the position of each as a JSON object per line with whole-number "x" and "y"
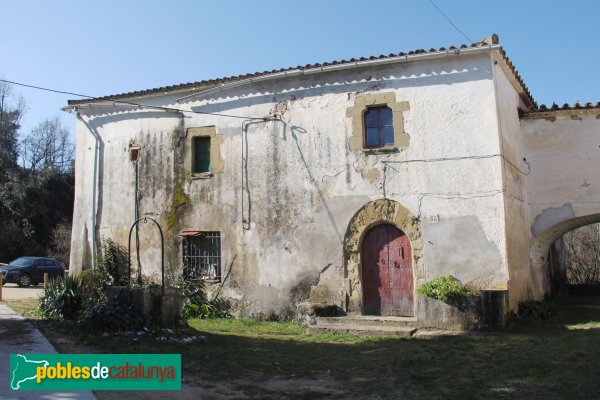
{"x": 563, "y": 149}
{"x": 82, "y": 210}
{"x": 515, "y": 171}
{"x": 156, "y": 132}
{"x": 301, "y": 183}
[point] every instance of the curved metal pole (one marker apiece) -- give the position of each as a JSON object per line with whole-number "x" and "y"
{"x": 162, "y": 252}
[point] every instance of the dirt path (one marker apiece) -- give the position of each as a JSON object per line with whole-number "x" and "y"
{"x": 191, "y": 387}
{"x": 19, "y": 336}
{"x": 11, "y": 291}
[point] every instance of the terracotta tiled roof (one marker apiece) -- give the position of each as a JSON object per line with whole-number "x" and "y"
{"x": 493, "y": 39}
{"x": 518, "y": 77}
{"x": 565, "y": 107}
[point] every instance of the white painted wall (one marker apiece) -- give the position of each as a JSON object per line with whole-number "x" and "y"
{"x": 563, "y": 149}
{"x": 515, "y": 172}
{"x": 564, "y": 152}
{"x": 305, "y": 184}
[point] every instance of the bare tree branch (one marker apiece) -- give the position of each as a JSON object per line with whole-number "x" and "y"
{"x": 47, "y": 146}
{"x": 582, "y": 255}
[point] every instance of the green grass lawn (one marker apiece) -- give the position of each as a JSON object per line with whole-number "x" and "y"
{"x": 25, "y": 307}
{"x": 558, "y": 358}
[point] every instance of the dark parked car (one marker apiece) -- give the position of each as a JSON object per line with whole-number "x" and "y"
{"x": 26, "y": 271}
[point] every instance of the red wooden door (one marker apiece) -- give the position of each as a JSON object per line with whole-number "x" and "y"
{"x": 387, "y": 276}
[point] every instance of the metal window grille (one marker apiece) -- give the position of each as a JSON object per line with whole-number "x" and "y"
{"x": 202, "y": 256}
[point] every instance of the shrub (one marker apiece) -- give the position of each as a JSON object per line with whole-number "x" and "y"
{"x": 532, "y": 309}
{"x": 62, "y": 298}
{"x": 195, "y": 301}
{"x": 196, "y": 305}
{"x": 213, "y": 309}
{"x": 112, "y": 264}
{"x": 117, "y": 316}
{"x": 444, "y": 288}
{"x": 94, "y": 285}
{"x": 71, "y": 297}
{"x": 194, "y": 297}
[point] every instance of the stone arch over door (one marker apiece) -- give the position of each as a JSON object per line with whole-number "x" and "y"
{"x": 382, "y": 211}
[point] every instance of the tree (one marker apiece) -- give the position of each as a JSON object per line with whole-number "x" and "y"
{"x": 10, "y": 118}
{"x": 13, "y": 229}
{"x": 47, "y": 146}
{"x": 61, "y": 242}
{"x": 582, "y": 255}
{"x": 38, "y": 196}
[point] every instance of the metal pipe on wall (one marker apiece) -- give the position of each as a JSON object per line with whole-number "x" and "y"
{"x": 94, "y": 184}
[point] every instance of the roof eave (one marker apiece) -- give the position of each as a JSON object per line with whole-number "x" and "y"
{"x": 198, "y": 89}
{"x": 345, "y": 66}
{"x": 577, "y": 109}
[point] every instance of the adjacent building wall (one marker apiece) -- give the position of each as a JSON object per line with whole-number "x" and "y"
{"x": 563, "y": 150}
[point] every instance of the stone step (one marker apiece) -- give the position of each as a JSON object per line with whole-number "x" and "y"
{"x": 368, "y": 320}
{"x": 362, "y": 330}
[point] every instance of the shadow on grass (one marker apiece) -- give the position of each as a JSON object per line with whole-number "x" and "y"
{"x": 552, "y": 359}
{"x": 536, "y": 360}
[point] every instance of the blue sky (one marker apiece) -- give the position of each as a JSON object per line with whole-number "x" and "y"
{"x": 107, "y": 47}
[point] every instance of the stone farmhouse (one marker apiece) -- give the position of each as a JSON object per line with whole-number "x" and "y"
{"x": 349, "y": 183}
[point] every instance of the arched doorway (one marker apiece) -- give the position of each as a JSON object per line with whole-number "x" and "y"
{"x": 387, "y": 274}
{"x": 372, "y": 214}
{"x": 541, "y": 247}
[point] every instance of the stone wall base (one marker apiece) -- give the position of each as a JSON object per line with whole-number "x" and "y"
{"x": 151, "y": 303}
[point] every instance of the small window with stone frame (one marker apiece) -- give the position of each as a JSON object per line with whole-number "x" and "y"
{"x": 201, "y": 155}
{"x": 379, "y": 127}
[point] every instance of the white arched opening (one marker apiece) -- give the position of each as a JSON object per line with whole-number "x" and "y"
{"x": 541, "y": 246}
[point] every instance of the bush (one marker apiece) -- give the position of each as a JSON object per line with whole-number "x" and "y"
{"x": 71, "y": 297}
{"x": 62, "y": 298}
{"x": 444, "y": 288}
{"x": 117, "y": 316}
{"x": 204, "y": 310}
{"x": 94, "y": 284}
{"x": 194, "y": 297}
{"x": 532, "y": 309}
{"x": 195, "y": 302}
{"x": 112, "y": 264}
{"x": 196, "y": 305}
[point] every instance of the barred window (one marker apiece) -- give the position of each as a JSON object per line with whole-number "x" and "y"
{"x": 202, "y": 256}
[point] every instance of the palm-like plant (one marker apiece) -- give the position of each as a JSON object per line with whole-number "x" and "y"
{"x": 62, "y": 298}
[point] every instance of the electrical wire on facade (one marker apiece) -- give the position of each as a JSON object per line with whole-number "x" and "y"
{"x": 248, "y": 119}
{"x": 462, "y": 158}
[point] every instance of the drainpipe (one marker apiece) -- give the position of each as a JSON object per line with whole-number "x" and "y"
{"x": 134, "y": 157}
{"x": 94, "y": 184}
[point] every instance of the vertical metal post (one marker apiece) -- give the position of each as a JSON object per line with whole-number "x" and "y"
{"x": 1, "y": 283}
{"x": 137, "y": 217}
